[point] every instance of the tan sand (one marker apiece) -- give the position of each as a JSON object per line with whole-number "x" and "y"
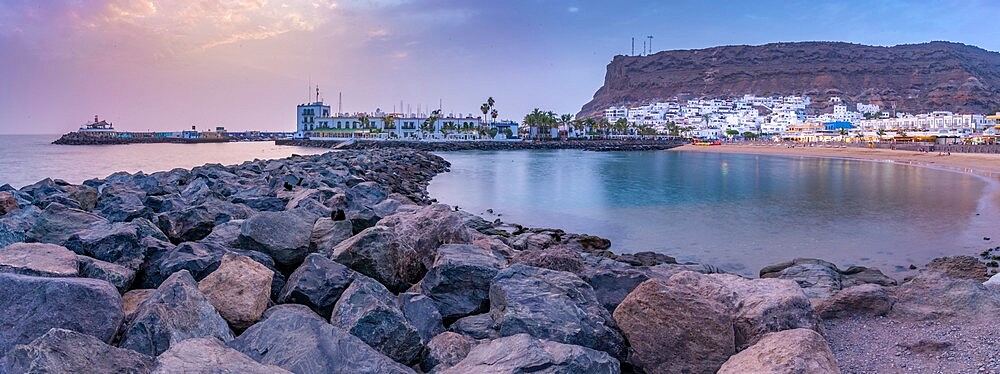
{"x": 977, "y": 163}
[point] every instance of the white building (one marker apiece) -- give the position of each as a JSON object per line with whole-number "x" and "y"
{"x": 929, "y": 122}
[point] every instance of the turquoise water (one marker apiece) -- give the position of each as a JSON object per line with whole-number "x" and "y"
{"x": 26, "y": 159}
{"x": 740, "y": 212}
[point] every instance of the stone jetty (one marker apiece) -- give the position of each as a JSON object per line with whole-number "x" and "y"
{"x": 342, "y": 263}
{"x": 491, "y": 145}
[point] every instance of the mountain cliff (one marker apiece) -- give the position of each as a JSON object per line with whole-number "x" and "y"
{"x": 911, "y": 78}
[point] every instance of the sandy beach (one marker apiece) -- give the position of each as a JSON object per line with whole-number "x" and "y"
{"x": 983, "y": 164}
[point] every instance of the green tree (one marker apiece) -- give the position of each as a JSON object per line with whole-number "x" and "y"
{"x": 749, "y": 135}
{"x": 428, "y": 125}
{"x": 732, "y": 133}
{"x": 620, "y": 125}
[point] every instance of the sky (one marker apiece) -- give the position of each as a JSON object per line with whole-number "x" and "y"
{"x": 245, "y": 64}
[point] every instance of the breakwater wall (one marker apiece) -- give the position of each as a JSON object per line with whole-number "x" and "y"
{"x": 443, "y": 146}
{"x": 114, "y": 138}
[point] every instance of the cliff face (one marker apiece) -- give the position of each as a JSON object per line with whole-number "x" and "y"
{"x": 912, "y": 78}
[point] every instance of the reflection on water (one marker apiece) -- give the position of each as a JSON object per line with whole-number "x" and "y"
{"x": 737, "y": 211}
{"x": 26, "y": 159}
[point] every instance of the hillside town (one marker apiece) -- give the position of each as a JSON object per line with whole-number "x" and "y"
{"x": 786, "y": 118}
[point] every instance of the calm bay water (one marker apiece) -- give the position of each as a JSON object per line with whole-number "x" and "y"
{"x": 740, "y": 212}
{"x": 26, "y": 159}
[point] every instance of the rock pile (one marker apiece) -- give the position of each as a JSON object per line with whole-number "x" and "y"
{"x": 341, "y": 263}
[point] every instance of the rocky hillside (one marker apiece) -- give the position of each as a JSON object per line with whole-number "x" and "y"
{"x": 913, "y": 78}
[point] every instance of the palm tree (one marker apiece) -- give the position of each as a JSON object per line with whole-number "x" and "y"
{"x": 880, "y": 133}
{"x": 494, "y": 114}
{"x": 620, "y": 125}
{"x": 428, "y": 125}
{"x": 603, "y": 125}
{"x": 565, "y": 120}
{"x": 364, "y": 121}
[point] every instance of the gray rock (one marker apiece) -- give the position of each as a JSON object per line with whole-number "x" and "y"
{"x": 522, "y": 353}
{"x": 317, "y": 283}
{"x": 226, "y": 234}
{"x": 119, "y": 243}
{"x": 122, "y": 203}
{"x": 552, "y": 305}
{"x": 282, "y": 235}
{"x": 38, "y": 259}
{"x": 132, "y": 299}
{"x": 422, "y": 313}
{"x": 445, "y": 350}
{"x": 200, "y": 259}
{"x": 327, "y": 233}
{"x": 459, "y": 279}
{"x": 362, "y": 218}
{"x": 176, "y": 311}
{"x": 195, "y": 223}
{"x": 479, "y": 326}
{"x": 209, "y": 355}
{"x": 768, "y": 305}
{"x": 368, "y": 310}
{"x": 864, "y": 300}
{"x": 366, "y": 194}
{"x": 611, "y": 280}
{"x": 558, "y": 257}
{"x": 119, "y": 276}
{"x": 57, "y": 223}
{"x": 294, "y": 338}
{"x": 67, "y": 351}
{"x": 958, "y": 267}
{"x": 30, "y": 306}
{"x": 818, "y": 278}
{"x": 386, "y": 207}
{"x": 9, "y": 235}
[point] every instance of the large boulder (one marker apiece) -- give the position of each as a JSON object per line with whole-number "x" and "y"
{"x": 933, "y": 296}
{"x": 768, "y": 305}
{"x": 294, "y": 338}
{"x": 8, "y": 203}
{"x": 558, "y": 257}
{"x": 375, "y": 252}
{"x": 611, "y": 280}
{"x": 57, "y": 223}
{"x": 821, "y": 279}
{"x": 122, "y": 203}
{"x": 209, "y": 355}
{"x": 788, "y": 351}
{"x": 119, "y": 276}
{"x": 195, "y": 223}
{"x": 368, "y": 310}
{"x": 9, "y": 235}
{"x": 282, "y": 235}
{"x": 459, "y": 279}
{"x": 67, "y": 351}
{"x": 132, "y": 299}
{"x": 684, "y": 324}
{"x": 402, "y": 247}
{"x": 422, "y": 314}
{"x": 119, "y": 243}
{"x": 30, "y": 306}
{"x": 864, "y": 300}
{"x": 958, "y": 267}
{"x": 479, "y": 326}
{"x": 327, "y": 233}
{"x": 552, "y": 305}
{"x": 445, "y": 350}
{"x": 38, "y": 259}
{"x": 176, "y": 311}
{"x": 199, "y": 259}
{"x": 240, "y": 289}
{"x": 522, "y": 353}
{"x": 317, "y": 283}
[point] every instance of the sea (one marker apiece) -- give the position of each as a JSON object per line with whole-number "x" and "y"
{"x": 736, "y": 211}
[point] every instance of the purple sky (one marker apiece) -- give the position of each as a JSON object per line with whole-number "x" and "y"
{"x": 167, "y": 65}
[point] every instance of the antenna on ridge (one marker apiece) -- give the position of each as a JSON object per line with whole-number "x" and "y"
{"x": 650, "y": 37}
{"x": 633, "y": 46}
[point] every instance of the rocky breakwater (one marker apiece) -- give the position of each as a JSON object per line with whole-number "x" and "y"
{"x": 341, "y": 263}
{"x": 445, "y": 146}
{"x": 100, "y": 138}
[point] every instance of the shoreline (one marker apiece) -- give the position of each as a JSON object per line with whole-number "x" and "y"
{"x": 980, "y": 164}
{"x": 490, "y": 145}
